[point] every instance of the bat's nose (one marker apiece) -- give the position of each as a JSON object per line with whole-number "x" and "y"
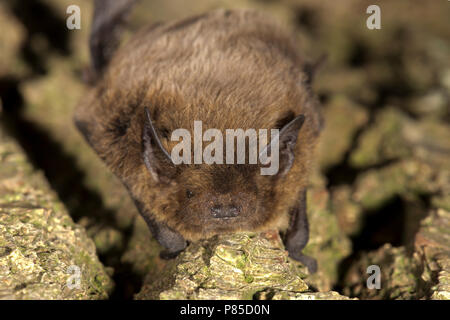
{"x": 224, "y": 212}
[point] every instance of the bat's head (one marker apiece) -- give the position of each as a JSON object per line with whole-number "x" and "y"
{"x": 214, "y": 198}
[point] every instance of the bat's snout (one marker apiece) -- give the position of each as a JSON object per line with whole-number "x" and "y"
{"x": 225, "y": 211}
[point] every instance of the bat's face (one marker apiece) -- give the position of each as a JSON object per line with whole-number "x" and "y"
{"x": 206, "y": 199}
{"x": 220, "y": 198}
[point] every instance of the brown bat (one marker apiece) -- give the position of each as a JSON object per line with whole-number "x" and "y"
{"x": 229, "y": 69}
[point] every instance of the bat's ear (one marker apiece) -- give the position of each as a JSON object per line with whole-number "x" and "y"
{"x": 156, "y": 158}
{"x": 287, "y": 140}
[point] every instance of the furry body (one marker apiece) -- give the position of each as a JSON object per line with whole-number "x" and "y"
{"x": 229, "y": 69}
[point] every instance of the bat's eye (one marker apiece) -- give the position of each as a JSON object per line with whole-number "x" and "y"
{"x": 189, "y": 194}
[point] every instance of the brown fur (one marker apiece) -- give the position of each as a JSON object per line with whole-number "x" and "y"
{"x": 229, "y": 69}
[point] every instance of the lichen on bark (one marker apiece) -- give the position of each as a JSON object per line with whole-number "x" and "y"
{"x": 39, "y": 242}
{"x": 233, "y": 266}
{"x": 423, "y": 273}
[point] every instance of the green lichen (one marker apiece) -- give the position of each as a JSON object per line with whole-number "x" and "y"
{"x": 345, "y": 117}
{"x": 39, "y": 240}
{"x": 432, "y": 253}
{"x": 236, "y": 267}
{"x": 383, "y": 141}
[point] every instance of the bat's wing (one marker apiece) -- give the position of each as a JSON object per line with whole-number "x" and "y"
{"x": 109, "y": 16}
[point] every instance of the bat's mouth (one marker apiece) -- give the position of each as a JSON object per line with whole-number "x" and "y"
{"x": 227, "y": 218}
{"x": 225, "y": 212}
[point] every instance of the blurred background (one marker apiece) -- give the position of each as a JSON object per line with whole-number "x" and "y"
{"x": 383, "y": 161}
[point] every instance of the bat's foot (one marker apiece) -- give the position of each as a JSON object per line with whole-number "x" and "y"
{"x": 168, "y": 255}
{"x": 307, "y": 261}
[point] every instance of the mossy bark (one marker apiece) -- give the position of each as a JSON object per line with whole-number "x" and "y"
{"x": 235, "y": 266}
{"x": 41, "y": 248}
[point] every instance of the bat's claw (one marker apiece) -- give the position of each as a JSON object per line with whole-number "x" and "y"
{"x": 307, "y": 261}
{"x": 168, "y": 255}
